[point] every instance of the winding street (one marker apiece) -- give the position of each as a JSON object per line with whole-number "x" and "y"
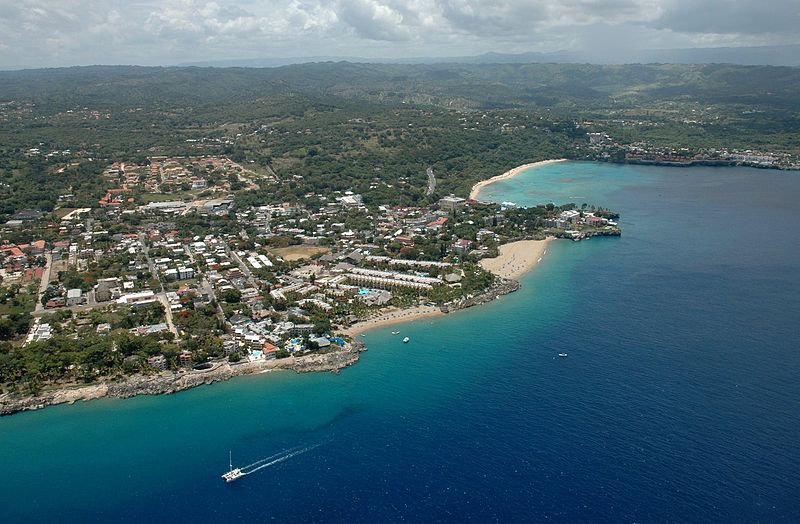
{"x": 431, "y": 182}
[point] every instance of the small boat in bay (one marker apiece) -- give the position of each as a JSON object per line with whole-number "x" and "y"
{"x": 395, "y": 332}
{"x": 232, "y": 474}
{"x": 405, "y": 340}
{"x": 562, "y": 355}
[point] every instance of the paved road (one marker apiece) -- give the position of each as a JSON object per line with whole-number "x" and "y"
{"x": 146, "y": 251}
{"x": 431, "y": 182}
{"x": 204, "y": 285}
{"x": 162, "y": 297}
{"x": 245, "y": 270}
{"x": 46, "y": 275}
{"x": 74, "y": 309}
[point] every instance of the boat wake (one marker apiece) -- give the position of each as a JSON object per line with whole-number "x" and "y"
{"x": 277, "y": 458}
{"x": 257, "y": 463}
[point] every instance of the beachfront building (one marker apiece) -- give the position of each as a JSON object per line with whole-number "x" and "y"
{"x": 390, "y": 279}
{"x": 321, "y": 342}
{"x": 158, "y": 362}
{"x": 408, "y": 263}
{"x": 185, "y": 358}
{"x": 451, "y": 203}
{"x": 299, "y": 330}
{"x": 374, "y": 297}
{"x": 571, "y": 216}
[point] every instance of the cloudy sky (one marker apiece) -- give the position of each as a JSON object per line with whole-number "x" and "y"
{"x": 45, "y": 33}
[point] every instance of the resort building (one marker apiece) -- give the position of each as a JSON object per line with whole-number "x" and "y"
{"x": 389, "y": 279}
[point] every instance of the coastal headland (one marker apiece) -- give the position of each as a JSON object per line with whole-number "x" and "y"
{"x": 169, "y": 382}
{"x": 511, "y": 173}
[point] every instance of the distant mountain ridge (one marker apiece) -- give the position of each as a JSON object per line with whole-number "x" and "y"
{"x": 477, "y": 85}
{"x": 786, "y": 55}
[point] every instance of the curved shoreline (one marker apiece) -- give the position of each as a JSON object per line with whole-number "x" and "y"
{"x": 511, "y": 173}
{"x": 394, "y": 316}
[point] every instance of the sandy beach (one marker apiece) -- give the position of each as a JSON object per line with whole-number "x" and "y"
{"x": 476, "y": 189}
{"x": 393, "y": 316}
{"x": 517, "y": 258}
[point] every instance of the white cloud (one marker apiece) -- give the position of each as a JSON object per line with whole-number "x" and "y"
{"x": 374, "y": 20}
{"x": 47, "y": 33}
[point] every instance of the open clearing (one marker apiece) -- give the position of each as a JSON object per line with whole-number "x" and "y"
{"x": 292, "y": 253}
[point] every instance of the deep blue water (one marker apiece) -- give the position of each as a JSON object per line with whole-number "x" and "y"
{"x": 679, "y": 400}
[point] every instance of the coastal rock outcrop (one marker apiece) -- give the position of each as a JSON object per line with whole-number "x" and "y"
{"x": 334, "y": 361}
{"x": 172, "y": 382}
{"x": 502, "y": 286}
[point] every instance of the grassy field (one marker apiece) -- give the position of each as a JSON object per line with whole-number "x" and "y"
{"x": 22, "y": 303}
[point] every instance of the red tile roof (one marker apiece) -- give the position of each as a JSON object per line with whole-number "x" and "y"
{"x": 14, "y": 251}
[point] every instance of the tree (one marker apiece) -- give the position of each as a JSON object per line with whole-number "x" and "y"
{"x": 7, "y": 330}
{"x": 232, "y": 296}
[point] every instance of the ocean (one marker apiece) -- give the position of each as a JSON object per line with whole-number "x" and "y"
{"x": 678, "y": 401}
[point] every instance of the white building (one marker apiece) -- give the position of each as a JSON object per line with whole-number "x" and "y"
{"x": 74, "y": 297}
{"x": 451, "y": 202}
{"x": 134, "y": 298}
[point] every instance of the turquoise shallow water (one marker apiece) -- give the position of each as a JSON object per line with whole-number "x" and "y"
{"x": 678, "y": 401}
